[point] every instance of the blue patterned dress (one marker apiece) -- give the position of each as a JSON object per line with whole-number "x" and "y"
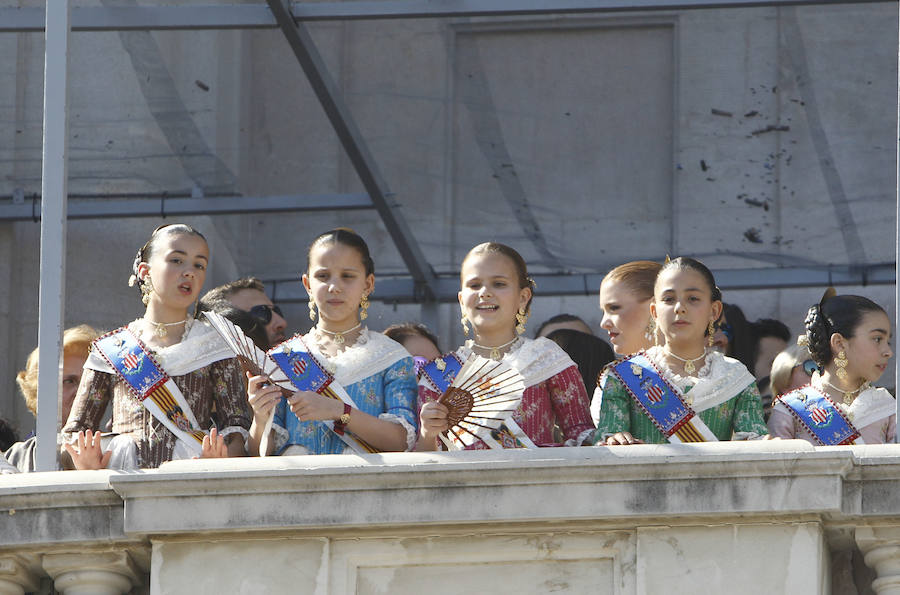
{"x": 378, "y": 374}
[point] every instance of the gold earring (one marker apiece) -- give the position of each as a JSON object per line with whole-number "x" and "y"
{"x": 146, "y": 289}
{"x": 465, "y": 324}
{"x": 312, "y": 309}
{"x": 364, "y": 307}
{"x": 650, "y": 331}
{"x": 521, "y": 319}
{"x": 711, "y": 329}
{"x": 840, "y": 360}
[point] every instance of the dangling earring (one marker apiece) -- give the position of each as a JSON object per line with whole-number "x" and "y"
{"x": 363, "y": 307}
{"x": 146, "y": 289}
{"x": 650, "y": 331}
{"x": 840, "y": 360}
{"x": 711, "y": 330}
{"x": 312, "y": 309}
{"x": 465, "y": 324}
{"x": 521, "y": 319}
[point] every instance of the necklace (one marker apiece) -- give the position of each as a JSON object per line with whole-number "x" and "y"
{"x": 848, "y": 395}
{"x": 689, "y": 367}
{"x": 338, "y": 335}
{"x": 495, "y": 351}
{"x": 161, "y": 329}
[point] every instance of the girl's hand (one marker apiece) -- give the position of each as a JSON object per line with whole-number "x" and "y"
{"x": 263, "y": 397}
{"x": 310, "y": 406}
{"x": 623, "y": 438}
{"x": 213, "y": 446}
{"x": 87, "y": 453}
{"x": 433, "y": 420}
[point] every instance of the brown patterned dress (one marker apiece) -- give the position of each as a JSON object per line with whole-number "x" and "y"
{"x": 216, "y": 390}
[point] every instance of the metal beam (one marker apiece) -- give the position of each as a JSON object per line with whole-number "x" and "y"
{"x": 354, "y": 144}
{"x": 400, "y": 289}
{"x": 259, "y": 16}
{"x": 113, "y": 206}
{"x": 145, "y": 18}
{"x": 414, "y": 9}
{"x": 54, "y": 175}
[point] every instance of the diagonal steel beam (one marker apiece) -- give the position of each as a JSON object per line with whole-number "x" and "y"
{"x": 341, "y": 119}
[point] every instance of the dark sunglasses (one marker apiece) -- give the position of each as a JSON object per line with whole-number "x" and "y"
{"x": 809, "y": 367}
{"x": 263, "y": 312}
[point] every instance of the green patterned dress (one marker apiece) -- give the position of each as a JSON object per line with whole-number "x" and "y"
{"x": 738, "y": 417}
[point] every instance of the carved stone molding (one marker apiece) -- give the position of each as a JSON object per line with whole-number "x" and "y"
{"x": 881, "y": 545}
{"x": 99, "y": 573}
{"x": 17, "y": 575}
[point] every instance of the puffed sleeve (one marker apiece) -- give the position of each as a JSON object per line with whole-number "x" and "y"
{"x": 400, "y": 397}
{"x": 91, "y": 401}
{"x": 781, "y": 422}
{"x": 749, "y": 423}
{"x": 570, "y": 405}
{"x": 614, "y": 409}
{"x": 230, "y": 397}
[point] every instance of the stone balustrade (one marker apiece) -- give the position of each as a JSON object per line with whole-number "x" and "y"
{"x": 712, "y": 518}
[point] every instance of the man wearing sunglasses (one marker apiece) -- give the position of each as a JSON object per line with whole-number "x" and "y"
{"x": 249, "y": 294}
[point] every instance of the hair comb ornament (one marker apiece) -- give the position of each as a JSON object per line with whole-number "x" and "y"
{"x": 829, "y": 293}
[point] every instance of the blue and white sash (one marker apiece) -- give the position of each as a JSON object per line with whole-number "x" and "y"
{"x": 306, "y": 373}
{"x": 440, "y": 372}
{"x": 660, "y": 401}
{"x": 821, "y": 417}
{"x": 150, "y": 384}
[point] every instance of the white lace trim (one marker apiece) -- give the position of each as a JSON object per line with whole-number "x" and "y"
{"x": 747, "y": 436}
{"x": 596, "y": 400}
{"x": 370, "y": 354}
{"x": 720, "y": 378}
{"x": 225, "y": 432}
{"x": 870, "y": 406}
{"x": 281, "y": 437}
{"x": 579, "y": 440}
{"x": 411, "y": 434}
{"x": 535, "y": 360}
{"x": 201, "y": 347}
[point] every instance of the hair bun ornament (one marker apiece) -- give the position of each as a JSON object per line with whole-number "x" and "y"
{"x": 532, "y": 282}
{"x": 132, "y": 280}
{"x": 803, "y": 341}
{"x": 829, "y": 293}
{"x": 667, "y": 260}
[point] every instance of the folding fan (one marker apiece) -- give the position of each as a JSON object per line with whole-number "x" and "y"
{"x": 252, "y": 358}
{"x": 482, "y": 396}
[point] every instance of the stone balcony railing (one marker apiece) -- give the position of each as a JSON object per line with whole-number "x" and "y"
{"x": 764, "y": 517}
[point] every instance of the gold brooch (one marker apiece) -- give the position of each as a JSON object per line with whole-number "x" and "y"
{"x": 636, "y": 370}
{"x": 441, "y": 364}
{"x": 286, "y": 350}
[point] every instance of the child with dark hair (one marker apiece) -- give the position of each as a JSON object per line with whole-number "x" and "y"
{"x": 849, "y": 339}
{"x": 8, "y": 434}
{"x": 372, "y": 406}
{"x": 684, "y": 391}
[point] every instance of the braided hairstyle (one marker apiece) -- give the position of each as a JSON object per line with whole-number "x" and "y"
{"x": 840, "y": 314}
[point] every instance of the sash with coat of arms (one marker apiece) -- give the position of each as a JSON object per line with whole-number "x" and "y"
{"x": 306, "y": 373}
{"x": 150, "y": 384}
{"x": 663, "y": 403}
{"x": 819, "y": 414}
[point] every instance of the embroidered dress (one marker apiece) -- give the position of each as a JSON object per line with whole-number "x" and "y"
{"x": 377, "y": 373}
{"x": 205, "y": 371}
{"x": 554, "y": 392}
{"x": 723, "y": 394}
{"x": 873, "y": 412}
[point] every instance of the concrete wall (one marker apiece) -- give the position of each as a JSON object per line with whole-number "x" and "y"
{"x": 745, "y": 137}
{"x": 773, "y": 517}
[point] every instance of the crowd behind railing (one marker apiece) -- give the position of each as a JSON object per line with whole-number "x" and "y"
{"x": 217, "y": 377}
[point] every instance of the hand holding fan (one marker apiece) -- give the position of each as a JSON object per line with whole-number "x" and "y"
{"x": 481, "y": 397}
{"x": 253, "y": 360}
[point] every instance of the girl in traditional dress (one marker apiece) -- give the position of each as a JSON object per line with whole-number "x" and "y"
{"x": 495, "y": 298}
{"x": 684, "y": 388}
{"x": 849, "y": 339}
{"x": 376, "y": 372}
{"x": 168, "y": 424}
